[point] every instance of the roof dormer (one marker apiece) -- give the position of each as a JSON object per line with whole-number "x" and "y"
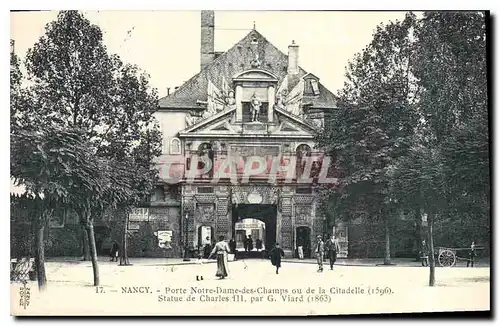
{"x": 311, "y": 84}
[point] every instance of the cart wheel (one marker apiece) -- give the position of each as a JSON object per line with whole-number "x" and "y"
{"x": 446, "y": 258}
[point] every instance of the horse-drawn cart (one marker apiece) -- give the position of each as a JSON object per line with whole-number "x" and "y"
{"x": 447, "y": 257}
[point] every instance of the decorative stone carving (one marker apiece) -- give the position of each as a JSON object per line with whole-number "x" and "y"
{"x": 222, "y": 217}
{"x": 302, "y": 213}
{"x": 205, "y": 212}
{"x": 280, "y": 101}
{"x": 230, "y": 100}
{"x": 241, "y": 194}
{"x": 190, "y": 119}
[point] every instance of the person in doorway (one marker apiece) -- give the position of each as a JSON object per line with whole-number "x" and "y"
{"x": 424, "y": 254}
{"x": 275, "y": 254}
{"x": 300, "y": 248}
{"x": 320, "y": 252}
{"x": 115, "y": 249}
{"x": 472, "y": 255}
{"x": 221, "y": 249}
{"x": 206, "y": 247}
{"x": 250, "y": 243}
{"x": 258, "y": 244}
{"x": 332, "y": 248}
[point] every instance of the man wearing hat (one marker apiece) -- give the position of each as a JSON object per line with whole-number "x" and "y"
{"x": 320, "y": 252}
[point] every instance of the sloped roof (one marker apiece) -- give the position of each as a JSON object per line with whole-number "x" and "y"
{"x": 325, "y": 99}
{"x": 233, "y": 61}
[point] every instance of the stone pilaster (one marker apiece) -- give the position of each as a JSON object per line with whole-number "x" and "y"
{"x": 238, "y": 96}
{"x": 271, "y": 99}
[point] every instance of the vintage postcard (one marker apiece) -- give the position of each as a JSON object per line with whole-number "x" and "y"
{"x": 291, "y": 163}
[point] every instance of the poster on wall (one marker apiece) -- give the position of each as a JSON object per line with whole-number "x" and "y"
{"x": 139, "y": 214}
{"x": 165, "y": 239}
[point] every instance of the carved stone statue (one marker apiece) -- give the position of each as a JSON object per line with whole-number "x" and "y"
{"x": 255, "y": 109}
{"x": 280, "y": 101}
{"x": 190, "y": 119}
{"x": 230, "y": 101}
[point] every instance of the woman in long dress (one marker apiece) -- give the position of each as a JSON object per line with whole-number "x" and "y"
{"x": 221, "y": 249}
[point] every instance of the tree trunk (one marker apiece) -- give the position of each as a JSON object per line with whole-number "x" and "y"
{"x": 124, "y": 252}
{"x": 418, "y": 228}
{"x": 40, "y": 255}
{"x": 387, "y": 258}
{"x": 93, "y": 251}
{"x": 85, "y": 245}
{"x": 432, "y": 278}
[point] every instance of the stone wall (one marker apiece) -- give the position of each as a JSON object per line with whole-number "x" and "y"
{"x": 66, "y": 240}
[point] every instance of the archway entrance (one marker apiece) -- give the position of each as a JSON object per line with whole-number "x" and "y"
{"x": 303, "y": 237}
{"x": 265, "y": 213}
{"x": 205, "y": 240}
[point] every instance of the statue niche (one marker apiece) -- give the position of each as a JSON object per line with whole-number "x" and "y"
{"x": 255, "y": 107}
{"x": 255, "y": 110}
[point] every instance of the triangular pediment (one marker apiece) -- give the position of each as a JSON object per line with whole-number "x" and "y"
{"x": 288, "y": 127}
{"x": 222, "y": 124}
{"x": 221, "y": 127}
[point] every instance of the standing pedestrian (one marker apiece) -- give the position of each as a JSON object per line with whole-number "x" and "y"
{"x": 424, "y": 254}
{"x": 258, "y": 244}
{"x": 472, "y": 254}
{"x": 320, "y": 251}
{"x": 206, "y": 247}
{"x": 221, "y": 249}
{"x": 332, "y": 247}
{"x": 245, "y": 243}
{"x": 115, "y": 249}
{"x": 300, "y": 248}
{"x": 276, "y": 254}
{"x": 232, "y": 245}
{"x": 250, "y": 243}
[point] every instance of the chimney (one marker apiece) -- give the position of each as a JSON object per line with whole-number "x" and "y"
{"x": 293, "y": 59}
{"x": 207, "y": 51}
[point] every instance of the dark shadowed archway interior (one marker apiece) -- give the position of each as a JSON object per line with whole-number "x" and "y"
{"x": 264, "y": 212}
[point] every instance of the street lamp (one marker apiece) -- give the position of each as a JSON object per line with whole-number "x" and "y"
{"x": 186, "y": 249}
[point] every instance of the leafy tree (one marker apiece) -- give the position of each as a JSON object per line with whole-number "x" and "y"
{"x": 447, "y": 171}
{"x": 374, "y": 122}
{"x": 77, "y": 84}
{"x": 54, "y": 165}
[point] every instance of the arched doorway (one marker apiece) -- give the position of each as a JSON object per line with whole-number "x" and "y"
{"x": 303, "y": 237}
{"x": 264, "y": 213}
{"x": 205, "y": 237}
{"x": 250, "y": 228}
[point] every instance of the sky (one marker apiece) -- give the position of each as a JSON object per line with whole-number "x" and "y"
{"x": 166, "y": 44}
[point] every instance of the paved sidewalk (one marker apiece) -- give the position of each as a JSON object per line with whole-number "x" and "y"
{"x": 406, "y": 262}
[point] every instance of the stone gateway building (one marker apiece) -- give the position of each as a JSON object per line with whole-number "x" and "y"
{"x": 231, "y": 135}
{"x": 250, "y": 101}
